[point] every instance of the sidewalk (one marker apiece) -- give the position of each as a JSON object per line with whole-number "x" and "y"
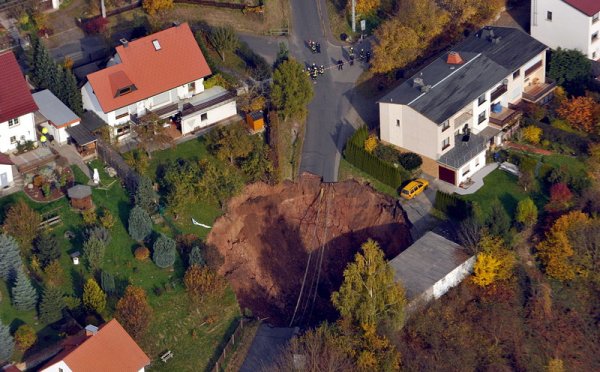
{"x": 73, "y": 157}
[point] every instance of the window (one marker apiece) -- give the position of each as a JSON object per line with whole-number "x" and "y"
{"x": 121, "y": 115}
{"x": 516, "y": 74}
{"x": 156, "y": 44}
{"x": 477, "y": 162}
{"x": 548, "y": 16}
{"x": 481, "y": 99}
{"x": 397, "y": 122}
{"x": 482, "y": 118}
{"x": 596, "y": 17}
{"x": 204, "y": 116}
{"x": 13, "y": 139}
{"x": 445, "y": 125}
{"x": 192, "y": 87}
{"x": 594, "y": 36}
{"x": 467, "y": 170}
{"x": 123, "y": 91}
{"x": 13, "y": 122}
{"x": 445, "y": 143}
{"x": 533, "y": 68}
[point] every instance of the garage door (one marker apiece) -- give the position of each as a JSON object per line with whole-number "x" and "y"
{"x": 447, "y": 175}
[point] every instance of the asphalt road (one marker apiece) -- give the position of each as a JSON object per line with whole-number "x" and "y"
{"x": 331, "y": 115}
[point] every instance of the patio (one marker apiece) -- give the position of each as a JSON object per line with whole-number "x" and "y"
{"x": 33, "y": 159}
{"x": 476, "y": 182}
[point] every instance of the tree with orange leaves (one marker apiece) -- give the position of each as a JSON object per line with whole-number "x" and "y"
{"x": 580, "y": 112}
{"x": 133, "y": 311}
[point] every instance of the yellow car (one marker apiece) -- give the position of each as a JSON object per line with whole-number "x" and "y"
{"x": 414, "y": 188}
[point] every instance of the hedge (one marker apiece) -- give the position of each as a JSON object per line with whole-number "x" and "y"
{"x": 452, "y": 205}
{"x": 558, "y": 136}
{"x": 382, "y": 171}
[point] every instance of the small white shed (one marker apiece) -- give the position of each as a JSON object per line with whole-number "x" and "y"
{"x": 430, "y": 267}
{"x": 54, "y": 115}
{"x": 6, "y": 171}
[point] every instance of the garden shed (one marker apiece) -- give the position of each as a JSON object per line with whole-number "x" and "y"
{"x": 81, "y": 197}
{"x": 255, "y": 121}
{"x": 430, "y": 267}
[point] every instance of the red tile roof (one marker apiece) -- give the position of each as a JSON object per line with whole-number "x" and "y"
{"x": 588, "y": 7}
{"x": 5, "y": 159}
{"x": 15, "y": 97}
{"x": 110, "y": 349}
{"x": 178, "y": 61}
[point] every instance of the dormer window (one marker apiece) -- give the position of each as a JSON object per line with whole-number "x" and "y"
{"x": 156, "y": 44}
{"x": 124, "y": 91}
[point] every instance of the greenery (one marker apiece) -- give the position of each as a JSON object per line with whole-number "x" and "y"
{"x": 47, "y": 248}
{"x": 570, "y": 69}
{"x": 145, "y": 197}
{"x": 22, "y": 223}
{"x": 139, "y": 224}
{"x": 24, "y": 295}
{"x": 107, "y": 282}
{"x": 25, "y": 337}
{"x": 452, "y": 206}
{"x": 527, "y": 212}
{"x": 133, "y": 311}
{"x": 94, "y": 299}
{"x": 51, "y": 305}
{"x": 291, "y": 90}
{"x": 223, "y": 39}
{"x": 93, "y": 253}
{"x": 164, "y": 252}
{"x": 195, "y": 257}
{"x": 10, "y": 260}
{"x": 7, "y": 343}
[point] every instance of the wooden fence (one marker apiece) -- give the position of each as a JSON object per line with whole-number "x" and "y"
{"x": 111, "y": 157}
{"x": 227, "y": 349}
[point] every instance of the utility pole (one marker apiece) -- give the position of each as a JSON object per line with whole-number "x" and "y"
{"x": 103, "y": 8}
{"x": 353, "y": 15}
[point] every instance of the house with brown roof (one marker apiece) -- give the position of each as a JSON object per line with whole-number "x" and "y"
{"x": 17, "y": 107}
{"x": 161, "y": 73}
{"x": 104, "y": 349}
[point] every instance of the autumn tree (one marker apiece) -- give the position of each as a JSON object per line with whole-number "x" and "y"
{"x": 52, "y": 305}
{"x": 364, "y": 7}
{"x": 201, "y": 280}
{"x": 571, "y": 69}
{"x": 55, "y": 274}
{"x": 153, "y": 7}
{"x": 139, "y": 223}
{"x": 291, "y": 90}
{"x": 152, "y": 134}
{"x": 560, "y": 198}
{"x": 527, "y": 212}
{"x": 10, "y": 259}
{"x": 223, "y": 39}
{"x": 7, "y": 343}
{"x": 94, "y": 299}
{"x": 532, "y": 134}
{"x": 24, "y": 295}
{"x": 368, "y": 294}
{"x": 22, "y": 223}
{"x": 494, "y": 262}
{"x": 395, "y": 47}
{"x": 580, "y": 112}
{"x": 230, "y": 142}
{"x": 133, "y": 311}
{"x": 25, "y": 337}
{"x": 424, "y": 17}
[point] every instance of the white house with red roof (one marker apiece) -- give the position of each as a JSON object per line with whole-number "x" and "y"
{"x": 103, "y": 349}
{"x": 17, "y": 107}
{"x": 568, "y": 24}
{"x": 161, "y": 73}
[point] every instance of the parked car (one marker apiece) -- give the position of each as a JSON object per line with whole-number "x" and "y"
{"x": 414, "y": 188}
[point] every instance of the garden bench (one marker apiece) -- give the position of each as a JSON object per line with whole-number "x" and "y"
{"x": 166, "y": 356}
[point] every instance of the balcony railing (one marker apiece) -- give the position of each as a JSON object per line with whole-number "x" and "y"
{"x": 505, "y": 118}
{"x": 498, "y": 92}
{"x": 536, "y": 92}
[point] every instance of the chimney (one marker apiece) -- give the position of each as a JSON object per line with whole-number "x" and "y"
{"x": 124, "y": 42}
{"x": 90, "y": 330}
{"x": 454, "y": 59}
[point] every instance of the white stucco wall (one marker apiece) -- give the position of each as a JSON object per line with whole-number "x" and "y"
{"x": 24, "y": 131}
{"x": 7, "y": 171}
{"x": 473, "y": 165}
{"x": 569, "y": 28}
{"x": 57, "y": 367}
{"x": 193, "y": 122}
{"x": 90, "y": 102}
{"x": 453, "y": 278}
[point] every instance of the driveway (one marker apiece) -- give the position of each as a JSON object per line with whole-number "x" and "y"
{"x": 418, "y": 209}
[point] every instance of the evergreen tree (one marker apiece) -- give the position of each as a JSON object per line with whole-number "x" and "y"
{"x": 57, "y": 83}
{"x": 498, "y": 222}
{"x": 72, "y": 93}
{"x": 44, "y": 67}
{"x": 94, "y": 298}
{"x": 51, "y": 305}
{"x": 195, "y": 257}
{"x": 7, "y": 343}
{"x": 164, "y": 252}
{"x": 24, "y": 296}
{"x": 107, "y": 281}
{"x": 145, "y": 196}
{"x": 10, "y": 259}
{"x": 93, "y": 252}
{"x": 47, "y": 248}
{"x": 140, "y": 224}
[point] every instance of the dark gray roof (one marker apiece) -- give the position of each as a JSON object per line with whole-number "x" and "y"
{"x": 81, "y": 134}
{"x": 79, "y": 191}
{"x": 53, "y": 109}
{"x": 426, "y": 262}
{"x": 464, "y": 150}
{"x": 486, "y": 63}
{"x": 91, "y": 121}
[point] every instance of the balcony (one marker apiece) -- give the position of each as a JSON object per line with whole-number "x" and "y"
{"x": 498, "y": 92}
{"x": 505, "y": 118}
{"x": 462, "y": 119}
{"x": 537, "y": 93}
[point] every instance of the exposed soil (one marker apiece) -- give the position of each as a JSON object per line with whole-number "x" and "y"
{"x": 270, "y": 234}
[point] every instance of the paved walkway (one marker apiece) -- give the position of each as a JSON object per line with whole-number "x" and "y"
{"x": 73, "y": 157}
{"x": 477, "y": 179}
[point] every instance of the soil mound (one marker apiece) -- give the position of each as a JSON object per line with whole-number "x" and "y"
{"x": 280, "y": 241}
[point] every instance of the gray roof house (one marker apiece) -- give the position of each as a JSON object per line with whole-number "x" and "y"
{"x": 450, "y": 111}
{"x": 430, "y": 267}
{"x": 54, "y": 115}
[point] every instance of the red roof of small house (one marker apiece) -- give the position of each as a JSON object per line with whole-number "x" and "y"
{"x": 5, "y": 159}
{"x": 110, "y": 349}
{"x": 150, "y": 65}
{"x": 588, "y": 7}
{"x": 15, "y": 97}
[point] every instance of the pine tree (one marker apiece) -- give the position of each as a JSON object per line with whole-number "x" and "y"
{"x": 45, "y": 67}
{"x": 107, "y": 281}
{"x": 10, "y": 259}
{"x": 51, "y": 305}
{"x": 93, "y": 297}
{"x": 7, "y": 343}
{"x": 164, "y": 252}
{"x": 145, "y": 196}
{"x": 72, "y": 93}
{"x": 93, "y": 253}
{"x": 57, "y": 83}
{"x": 195, "y": 257}
{"x": 140, "y": 224}
{"x": 47, "y": 248}
{"x": 24, "y": 296}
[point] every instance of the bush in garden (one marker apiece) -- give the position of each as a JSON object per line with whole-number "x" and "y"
{"x": 96, "y": 26}
{"x": 47, "y": 248}
{"x": 164, "y": 251}
{"x": 141, "y": 253}
{"x": 133, "y": 311}
{"x": 55, "y": 275}
{"x": 100, "y": 233}
{"x": 107, "y": 281}
{"x": 107, "y": 220}
{"x": 371, "y": 144}
{"x": 140, "y": 223}
{"x": 25, "y": 337}
{"x": 93, "y": 253}
{"x": 89, "y": 217}
{"x": 410, "y": 161}
{"x": 527, "y": 212}
{"x": 560, "y": 198}
{"x": 532, "y": 134}
{"x": 195, "y": 257}
{"x": 145, "y": 196}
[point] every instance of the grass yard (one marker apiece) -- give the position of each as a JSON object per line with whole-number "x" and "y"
{"x": 348, "y": 171}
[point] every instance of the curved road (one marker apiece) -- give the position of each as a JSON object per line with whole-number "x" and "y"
{"x": 331, "y": 114}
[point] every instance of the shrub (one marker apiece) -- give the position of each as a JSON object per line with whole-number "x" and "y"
{"x": 93, "y": 253}
{"x": 141, "y": 253}
{"x": 200, "y": 281}
{"x": 410, "y": 161}
{"x": 94, "y": 299}
{"x": 97, "y": 25}
{"x": 47, "y": 248}
{"x": 532, "y": 134}
{"x": 38, "y": 180}
{"x": 140, "y": 223}
{"x": 107, "y": 220}
{"x": 371, "y": 144}
{"x": 98, "y": 232}
{"x": 527, "y": 212}
{"x": 578, "y": 144}
{"x": 25, "y": 337}
{"x": 452, "y": 206}
{"x": 55, "y": 274}
{"x": 107, "y": 282}
{"x": 164, "y": 251}
{"x": 256, "y": 64}
{"x": 89, "y": 217}
{"x": 46, "y": 189}
{"x": 560, "y": 198}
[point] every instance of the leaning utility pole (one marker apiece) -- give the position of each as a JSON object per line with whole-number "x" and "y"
{"x": 353, "y": 15}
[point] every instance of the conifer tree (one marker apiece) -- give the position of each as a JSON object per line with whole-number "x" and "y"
{"x": 47, "y": 248}
{"x": 24, "y": 296}
{"x": 7, "y": 343}
{"x": 72, "y": 93}
{"x": 51, "y": 305}
{"x": 145, "y": 196}
{"x": 107, "y": 281}
{"x": 195, "y": 257}
{"x": 140, "y": 224}
{"x": 57, "y": 82}
{"x": 164, "y": 252}
{"x": 93, "y": 297}
{"x": 10, "y": 259}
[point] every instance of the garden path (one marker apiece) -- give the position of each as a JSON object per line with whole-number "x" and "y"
{"x": 73, "y": 157}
